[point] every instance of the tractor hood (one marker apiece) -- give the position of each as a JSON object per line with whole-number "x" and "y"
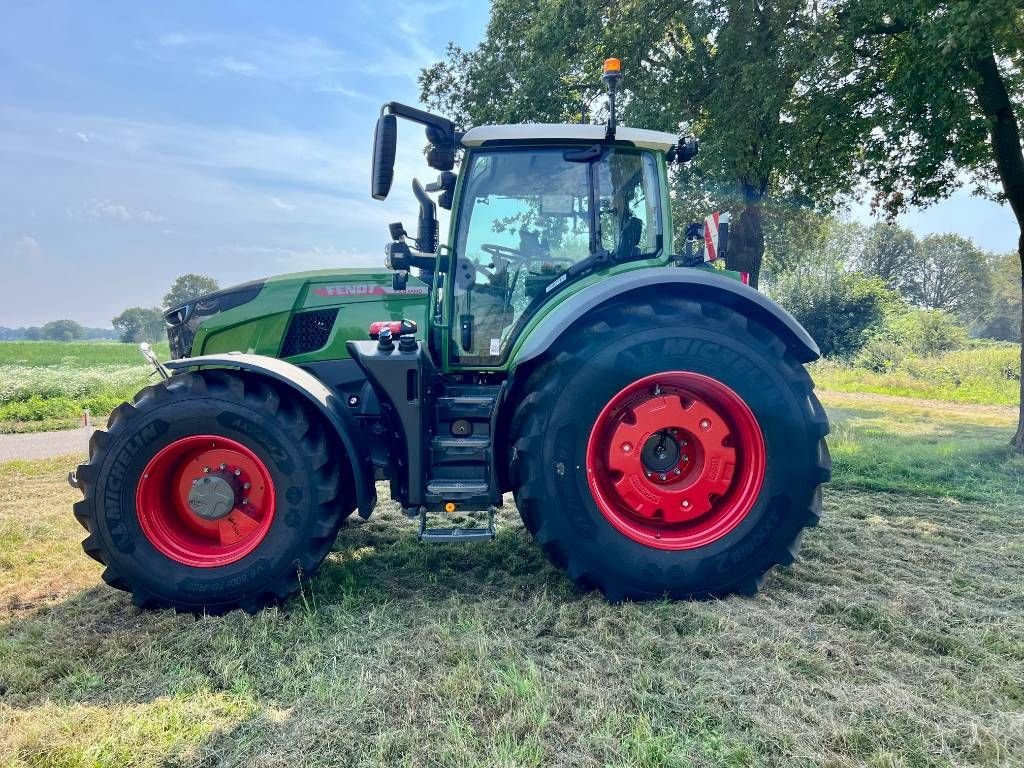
{"x": 304, "y": 316}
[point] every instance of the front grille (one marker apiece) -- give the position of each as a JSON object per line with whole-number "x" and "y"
{"x": 180, "y": 338}
{"x": 308, "y": 331}
{"x": 181, "y": 327}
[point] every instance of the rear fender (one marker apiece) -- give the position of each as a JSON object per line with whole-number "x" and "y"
{"x": 325, "y": 401}
{"x": 669, "y": 281}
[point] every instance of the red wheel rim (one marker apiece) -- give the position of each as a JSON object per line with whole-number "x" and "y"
{"x": 174, "y": 507}
{"x": 675, "y": 460}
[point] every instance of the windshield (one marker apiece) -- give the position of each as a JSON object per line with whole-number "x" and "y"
{"x": 525, "y": 219}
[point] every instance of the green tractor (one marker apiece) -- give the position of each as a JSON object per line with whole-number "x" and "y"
{"x": 650, "y": 413}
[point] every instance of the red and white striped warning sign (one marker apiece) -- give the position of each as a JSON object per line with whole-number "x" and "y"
{"x": 711, "y": 236}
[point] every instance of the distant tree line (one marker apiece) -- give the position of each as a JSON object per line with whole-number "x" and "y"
{"x": 135, "y": 324}
{"x": 57, "y": 330}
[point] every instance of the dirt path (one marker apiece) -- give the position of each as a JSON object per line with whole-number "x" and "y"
{"x": 43, "y": 445}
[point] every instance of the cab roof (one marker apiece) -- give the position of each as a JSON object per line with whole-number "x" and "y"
{"x": 640, "y": 137}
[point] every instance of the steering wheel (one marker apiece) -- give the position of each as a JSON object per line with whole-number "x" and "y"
{"x": 504, "y": 252}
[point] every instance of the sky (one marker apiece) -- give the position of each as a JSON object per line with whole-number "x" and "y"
{"x": 140, "y": 141}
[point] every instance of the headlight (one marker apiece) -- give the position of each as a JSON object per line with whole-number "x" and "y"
{"x": 183, "y": 322}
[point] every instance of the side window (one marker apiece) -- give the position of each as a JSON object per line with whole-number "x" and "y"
{"x": 628, "y": 189}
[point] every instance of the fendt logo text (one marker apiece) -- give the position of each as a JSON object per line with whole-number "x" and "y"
{"x": 365, "y": 289}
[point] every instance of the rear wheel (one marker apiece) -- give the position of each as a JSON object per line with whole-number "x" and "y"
{"x": 212, "y": 491}
{"x": 669, "y": 449}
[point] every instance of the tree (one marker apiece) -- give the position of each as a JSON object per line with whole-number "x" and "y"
{"x": 839, "y": 309}
{"x": 745, "y": 75}
{"x": 951, "y": 274}
{"x": 62, "y": 330}
{"x": 188, "y": 287}
{"x": 33, "y": 333}
{"x": 944, "y": 80}
{"x": 139, "y": 324}
{"x": 1002, "y": 319}
{"x": 891, "y": 253}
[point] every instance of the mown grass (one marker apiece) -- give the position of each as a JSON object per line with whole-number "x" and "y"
{"x": 987, "y": 375}
{"x": 897, "y": 639}
{"x": 48, "y": 384}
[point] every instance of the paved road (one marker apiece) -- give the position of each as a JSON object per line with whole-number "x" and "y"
{"x": 43, "y": 445}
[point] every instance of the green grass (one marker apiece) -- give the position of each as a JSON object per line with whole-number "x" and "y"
{"x": 987, "y": 375}
{"x": 47, "y": 384}
{"x": 897, "y": 639}
{"x": 74, "y": 354}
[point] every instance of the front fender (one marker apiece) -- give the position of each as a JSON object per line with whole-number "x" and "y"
{"x": 316, "y": 393}
{"x": 668, "y": 280}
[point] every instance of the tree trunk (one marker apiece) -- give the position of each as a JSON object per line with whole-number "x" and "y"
{"x": 746, "y": 247}
{"x": 1009, "y": 156}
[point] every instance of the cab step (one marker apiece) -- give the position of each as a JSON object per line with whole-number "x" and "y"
{"x": 456, "y": 490}
{"x": 456, "y": 535}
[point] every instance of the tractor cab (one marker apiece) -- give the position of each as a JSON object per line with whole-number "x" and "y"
{"x": 535, "y": 208}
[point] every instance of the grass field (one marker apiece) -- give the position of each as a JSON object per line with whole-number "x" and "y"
{"x": 896, "y": 640}
{"x": 985, "y": 375}
{"x": 47, "y": 384}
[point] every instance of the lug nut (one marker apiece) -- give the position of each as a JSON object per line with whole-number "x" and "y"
{"x": 678, "y": 471}
{"x": 245, "y": 502}
{"x": 206, "y": 469}
{"x": 246, "y": 486}
{"x": 705, "y": 424}
{"x": 626, "y": 447}
{"x": 238, "y": 472}
{"x": 685, "y": 504}
{"x": 663, "y": 476}
{"x": 647, "y": 473}
{"x": 223, "y": 465}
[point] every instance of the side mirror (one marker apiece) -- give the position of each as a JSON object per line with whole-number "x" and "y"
{"x": 684, "y": 151}
{"x": 384, "y": 142}
{"x": 397, "y": 231}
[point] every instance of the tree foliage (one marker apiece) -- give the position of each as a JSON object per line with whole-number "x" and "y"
{"x": 950, "y": 274}
{"x": 891, "y": 253}
{"x": 188, "y": 287}
{"x": 138, "y": 324}
{"x": 1002, "y": 321}
{"x": 746, "y": 76}
{"x": 62, "y": 330}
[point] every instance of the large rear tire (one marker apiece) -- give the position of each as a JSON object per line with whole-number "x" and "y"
{"x": 674, "y": 448}
{"x": 212, "y": 491}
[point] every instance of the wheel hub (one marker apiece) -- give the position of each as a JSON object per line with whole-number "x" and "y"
{"x": 664, "y": 453}
{"x": 214, "y": 496}
{"x": 698, "y": 468}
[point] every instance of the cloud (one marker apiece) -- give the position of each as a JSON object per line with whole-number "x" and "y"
{"x": 281, "y": 204}
{"x": 306, "y": 62}
{"x": 173, "y": 40}
{"x": 27, "y": 248}
{"x": 104, "y": 209}
{"x": 83, "y": 136}
{"x": 245, "y": 68}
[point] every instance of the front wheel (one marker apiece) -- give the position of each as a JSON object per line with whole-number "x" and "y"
{"x": 669, "y": 449}
{"x": 212, "y": 491}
